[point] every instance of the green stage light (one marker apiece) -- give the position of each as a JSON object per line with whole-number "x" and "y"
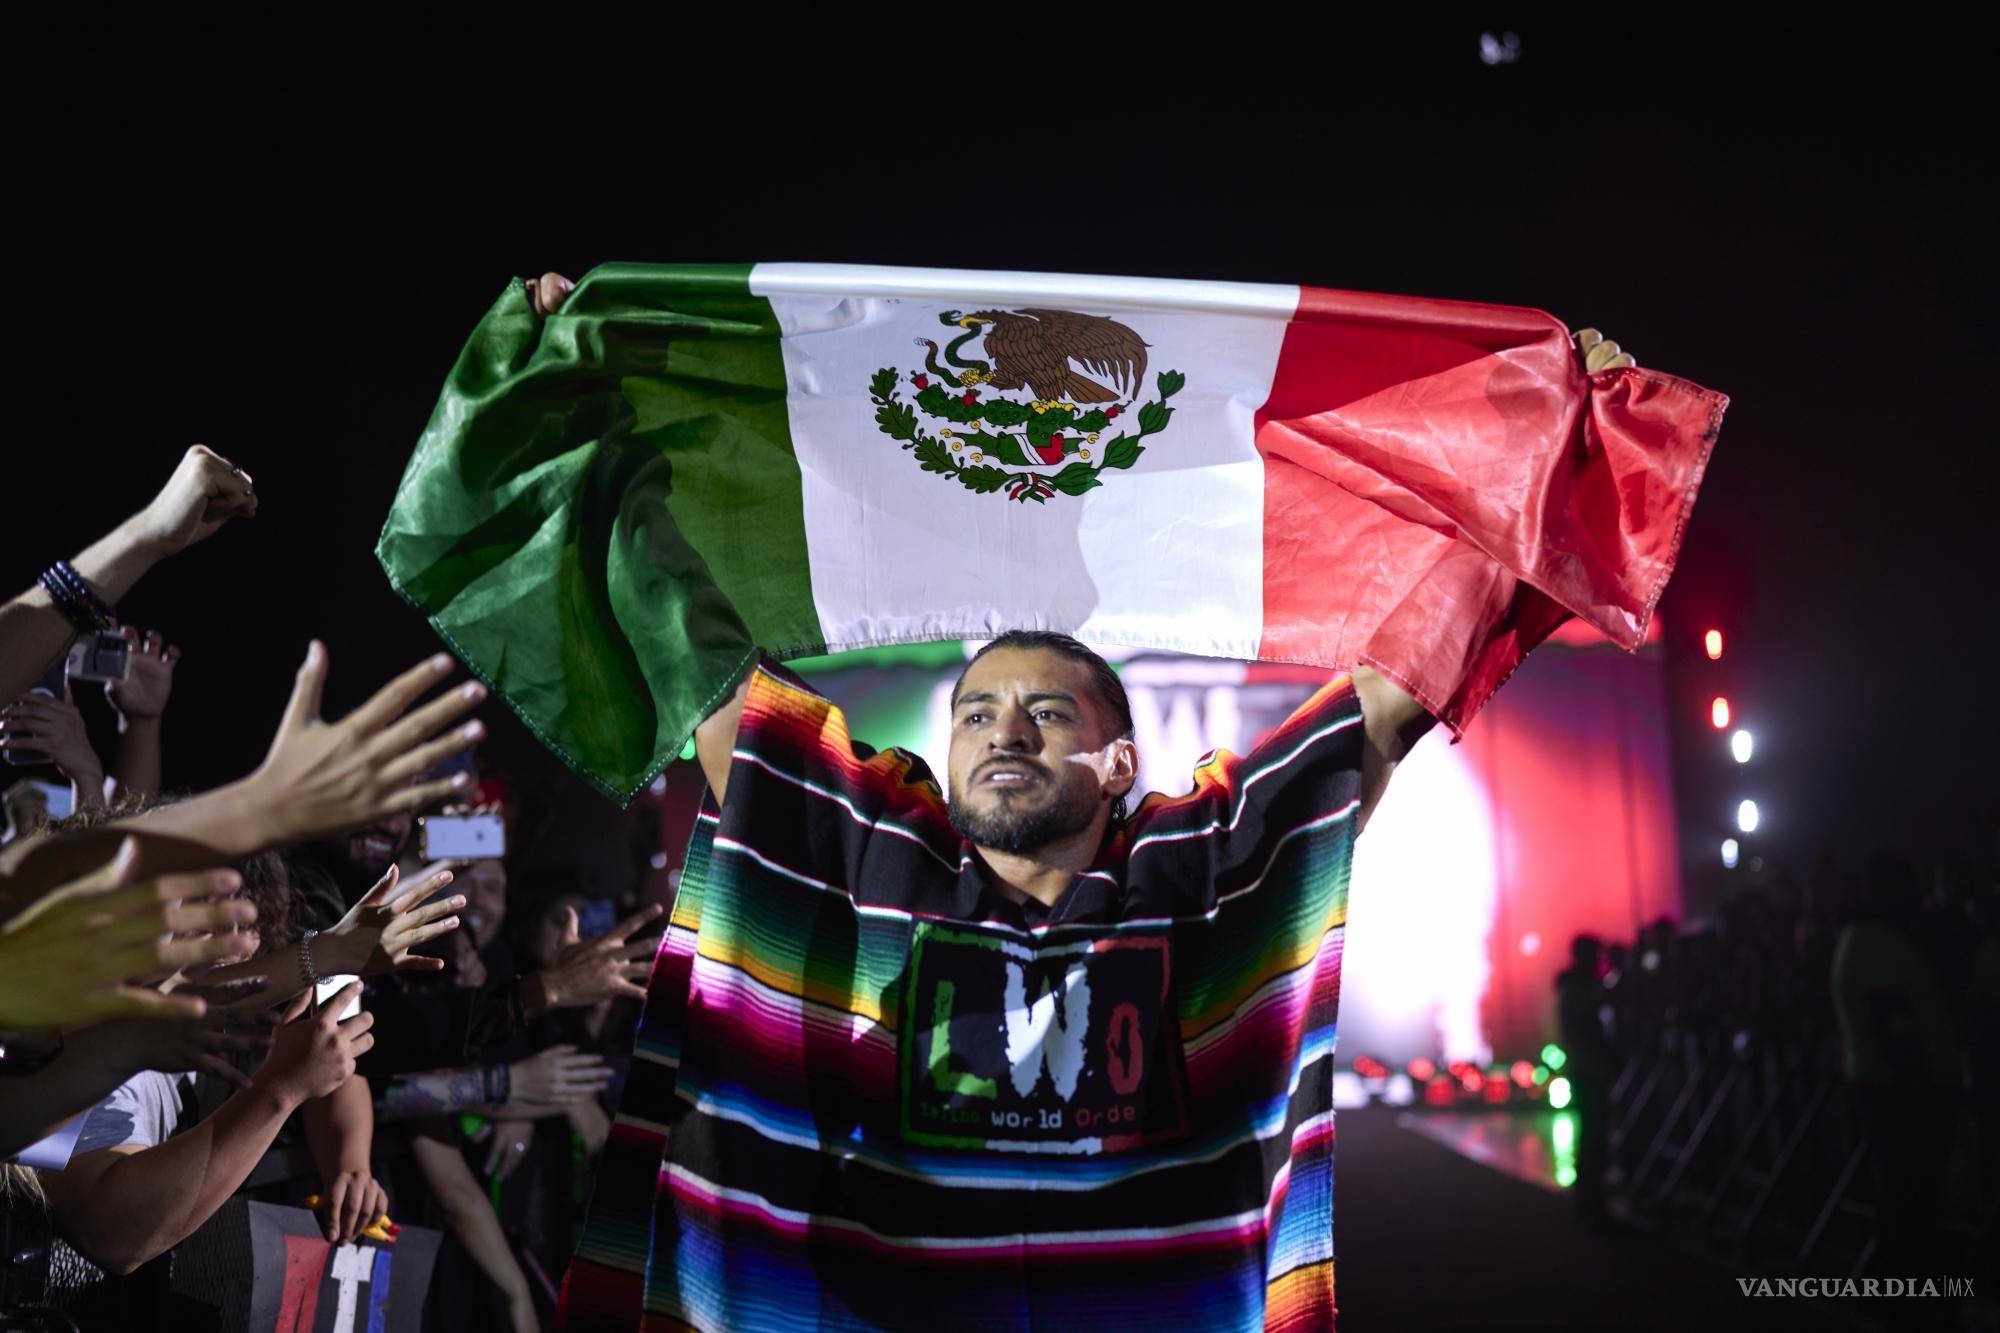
{"x": 1562, "y": 1147}
{"x": 1553, "y": 1057}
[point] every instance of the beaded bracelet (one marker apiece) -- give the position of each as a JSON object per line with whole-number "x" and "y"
{"x": 306, "y": 959}
{"x": 72, "y": 596}
{"x": 74, "y": 611}
{"x": 101, "y": 608}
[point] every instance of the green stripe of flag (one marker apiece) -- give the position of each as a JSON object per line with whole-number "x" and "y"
{"x": 549, "y": 522}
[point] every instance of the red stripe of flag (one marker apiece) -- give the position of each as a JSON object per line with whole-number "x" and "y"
{"x": 1444, "y": 485}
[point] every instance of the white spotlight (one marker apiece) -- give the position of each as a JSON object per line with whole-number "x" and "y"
{"x": 1746, "y": 816}
{"x": 1739, "y": 745}
{"x": 1729, "y": 853}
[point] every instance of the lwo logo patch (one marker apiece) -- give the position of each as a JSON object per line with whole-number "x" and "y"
{"x": 1061, "y": 1047}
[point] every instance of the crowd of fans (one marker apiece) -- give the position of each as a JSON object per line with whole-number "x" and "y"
{"x": 1811, "y": 1077}
{"x": 169, "y": 1036}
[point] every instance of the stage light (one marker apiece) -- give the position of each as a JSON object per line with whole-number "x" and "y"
{"x": 1541, "y": 1075}
{"x": 1503, "y": 49}
{"x": 1369, "y": 1067}
{"x": 1718, "y": 713}
{"x": 1498, "y": 1090}
{"x": 1553, "y": 1056}
{"x": 1421, "y": 1070}
{"x": 1713, "y": 642}
{"x": 1440, "y": 1091}
{"x": 1562, "y": 1140}
{"x": 1472, "y": 1080}
{"x": 1739, "y": 745}
{"x": 1730, "y": 851}
{"x": 1559, "y": 1093}
{"x": 1522, "y": 1072}
{"x": 1746, "y": 816}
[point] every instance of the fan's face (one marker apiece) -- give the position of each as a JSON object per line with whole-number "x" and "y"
{"x": 484, "y": 884}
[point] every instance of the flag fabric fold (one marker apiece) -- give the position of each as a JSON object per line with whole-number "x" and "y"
{"x": 614, "y": 507}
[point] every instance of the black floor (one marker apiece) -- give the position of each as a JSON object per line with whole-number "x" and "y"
{"x": 1427, "y": 1239}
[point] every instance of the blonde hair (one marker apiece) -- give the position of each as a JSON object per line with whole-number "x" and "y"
{"x": 20, "y": 1182}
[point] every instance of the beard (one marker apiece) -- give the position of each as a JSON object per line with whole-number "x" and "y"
{"x": 1010, "y": 824}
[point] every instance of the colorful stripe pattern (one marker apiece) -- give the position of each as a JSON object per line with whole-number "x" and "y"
{"x": 827, "y": 1126}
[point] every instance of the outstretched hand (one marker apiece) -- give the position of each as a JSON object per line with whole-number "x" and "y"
{"x": 586, "y": 971}
{"x": 144, "y": 691}
{"x": 185, "y": 1045}
{"x": 550, "y": 1080}
{"x": 322, "y": 777}
{"x": 68, "y": 959}
{"x": 379, "y": 933}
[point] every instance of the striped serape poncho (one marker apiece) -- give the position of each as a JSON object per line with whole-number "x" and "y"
{"x": 869, "y": 1093}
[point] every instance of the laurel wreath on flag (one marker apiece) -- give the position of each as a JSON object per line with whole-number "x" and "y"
{"x": 899, "y": 422}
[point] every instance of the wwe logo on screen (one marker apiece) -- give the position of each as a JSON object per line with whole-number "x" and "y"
{"x": 1958, "y": 1287}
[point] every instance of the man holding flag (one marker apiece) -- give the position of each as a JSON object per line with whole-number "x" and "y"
{"x": 1015, "y": 1059}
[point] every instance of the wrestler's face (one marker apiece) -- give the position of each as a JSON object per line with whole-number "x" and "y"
{"x": 1034, "y": 758}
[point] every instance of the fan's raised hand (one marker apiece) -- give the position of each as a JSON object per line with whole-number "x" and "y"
{"x": 68, "y": 960}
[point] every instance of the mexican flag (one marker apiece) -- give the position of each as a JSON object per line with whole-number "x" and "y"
{"x": 614, "y": 507}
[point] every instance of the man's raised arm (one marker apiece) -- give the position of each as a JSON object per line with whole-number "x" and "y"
{"x": 205, "y": 491}
{"x": 1392, "y": 720}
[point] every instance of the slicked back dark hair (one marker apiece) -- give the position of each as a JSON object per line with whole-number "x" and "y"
{"x": 1104, "y": 681}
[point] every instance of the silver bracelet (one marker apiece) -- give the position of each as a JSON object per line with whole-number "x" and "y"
{"x": 306, "y": 958}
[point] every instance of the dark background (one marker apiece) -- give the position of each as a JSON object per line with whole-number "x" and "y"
{"x": 274, "y": 242}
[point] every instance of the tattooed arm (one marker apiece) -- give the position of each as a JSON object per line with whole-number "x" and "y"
{"x": 442, "y": 1092}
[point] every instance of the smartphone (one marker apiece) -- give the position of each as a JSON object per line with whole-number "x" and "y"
{"x": 461, "y": 837}
{"x": 100, "y": 655}
{"x": 597, "y": 917}
{"x": 331, "y": 986}
{"x": 58, "y": 798}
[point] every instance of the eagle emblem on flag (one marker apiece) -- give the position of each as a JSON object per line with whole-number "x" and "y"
{"x": 1045, "y": 389}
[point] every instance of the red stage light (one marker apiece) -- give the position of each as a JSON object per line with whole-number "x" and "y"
{"x": 1440, "y": 1091}
{"x": 1718, "y": 713}
{"x": 1713, "y": 642}
{"x": 1369, "y": 1067}
{"x": 1498, "y": 1090}
{"x": 1421, "y": 1070}
{"x": 1522, "y": 1073}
